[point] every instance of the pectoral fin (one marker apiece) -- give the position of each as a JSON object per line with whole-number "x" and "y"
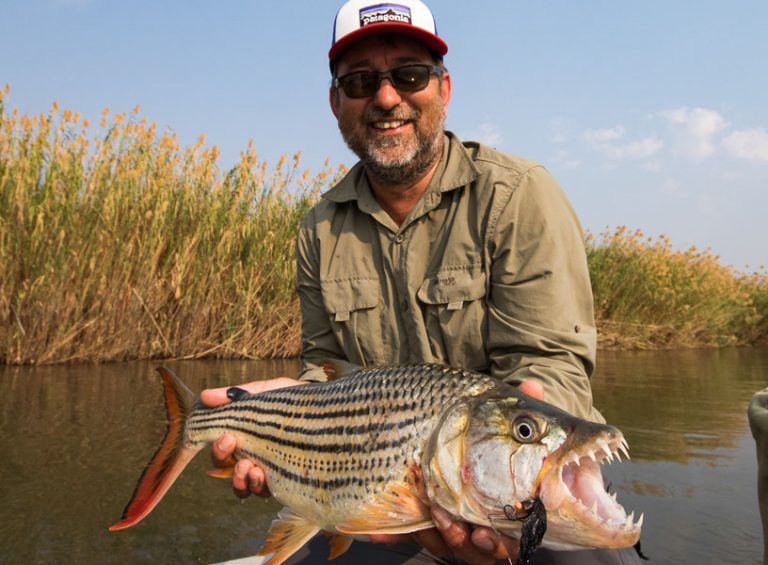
{"x": 397, "y": 510}
{"x": 286, "y": 536}
{"x": 222, "y": 473}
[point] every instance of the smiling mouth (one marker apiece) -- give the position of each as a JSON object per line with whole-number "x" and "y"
{"x": 389, "y": 125}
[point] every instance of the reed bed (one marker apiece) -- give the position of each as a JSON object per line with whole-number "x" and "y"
{"x": 649, "y": 295}
{"x": 130, "y": 247}
{"x": 116, "y": 244}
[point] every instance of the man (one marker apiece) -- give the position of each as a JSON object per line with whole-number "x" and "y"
{"x": 431, "y": 250}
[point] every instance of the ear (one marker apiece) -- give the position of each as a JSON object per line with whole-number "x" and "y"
{"x": 333, "y": 99}
{"x": 445, "y": 90}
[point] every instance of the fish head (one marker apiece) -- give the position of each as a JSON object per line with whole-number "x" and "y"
{"x": 491, "y": 455}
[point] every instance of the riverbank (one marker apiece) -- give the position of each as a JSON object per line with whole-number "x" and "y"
{"x": 122, "y": 245}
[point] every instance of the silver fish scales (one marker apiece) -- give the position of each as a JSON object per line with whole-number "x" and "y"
{"x": 327, "y": 447}
{"x": 370, "y": 452}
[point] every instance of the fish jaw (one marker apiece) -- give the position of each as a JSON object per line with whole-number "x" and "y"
{"x": 580, "y": 512}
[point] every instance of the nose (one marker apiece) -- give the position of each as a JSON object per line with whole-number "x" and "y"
{"x": 386, "y": 96}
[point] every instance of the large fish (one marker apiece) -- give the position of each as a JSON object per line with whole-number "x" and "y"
{"x": 370, "y": 452}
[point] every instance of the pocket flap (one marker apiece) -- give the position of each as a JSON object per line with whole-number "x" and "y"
{"x": 450, "y": 287}
{"x": 347, "y": 295}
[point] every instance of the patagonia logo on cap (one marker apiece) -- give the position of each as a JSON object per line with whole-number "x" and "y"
{"x": 385, "y": 13}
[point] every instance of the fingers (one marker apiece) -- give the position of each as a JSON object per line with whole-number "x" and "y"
{"x": 532, "y": 388}
{"x": 499, "y": 546}
{"x": 479, "y": 547}
{"x": 249, "y": 479}
{"x": 213, "y": 397}
{"x": 223, "y": 450}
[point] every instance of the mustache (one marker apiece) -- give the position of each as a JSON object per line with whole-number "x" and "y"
{"x": 396, "y": 113}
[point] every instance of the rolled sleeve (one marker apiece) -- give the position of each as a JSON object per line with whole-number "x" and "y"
{"x": 540, "y": 308}
{"x": 318, "y": 343}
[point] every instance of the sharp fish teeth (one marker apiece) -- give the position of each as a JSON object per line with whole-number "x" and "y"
{"x": 639, "y": 521}
{"x": 594, "y": 507}
{"x": 624, "y": 448}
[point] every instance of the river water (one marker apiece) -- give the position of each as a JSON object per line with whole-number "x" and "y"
{"x": 75, "y": 439}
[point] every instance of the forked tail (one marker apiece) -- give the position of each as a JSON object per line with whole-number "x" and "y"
{"x": 171, "y": 457}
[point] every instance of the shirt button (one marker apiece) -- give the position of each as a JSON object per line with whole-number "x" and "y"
{"x": 399, "y": 238}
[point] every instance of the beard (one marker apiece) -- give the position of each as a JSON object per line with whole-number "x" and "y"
{"x": 397, "y": 159}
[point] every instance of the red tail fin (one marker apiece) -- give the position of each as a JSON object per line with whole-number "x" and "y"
{"x": 171, "y": 457}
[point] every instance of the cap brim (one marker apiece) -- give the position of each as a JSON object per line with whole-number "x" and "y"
{"x": 431, "y": 41}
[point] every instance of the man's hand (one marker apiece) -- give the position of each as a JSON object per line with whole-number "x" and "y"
{"x": 249, "y": 478}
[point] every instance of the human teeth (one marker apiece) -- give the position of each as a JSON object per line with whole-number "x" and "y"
{"x": 389, "y": 125}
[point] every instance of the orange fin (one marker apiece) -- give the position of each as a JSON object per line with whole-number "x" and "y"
{"x": 286, "y": 536}
{"x": 339, "y": 545}
{"x": 171, "y": 457}
{"x": 397, "y": 510}
{"x": 222, "y": 473}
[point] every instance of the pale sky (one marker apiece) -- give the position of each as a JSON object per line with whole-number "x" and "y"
{"x": 651, "y": 114}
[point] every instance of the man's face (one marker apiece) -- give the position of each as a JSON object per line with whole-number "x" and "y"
{"x": 397, "y": 135}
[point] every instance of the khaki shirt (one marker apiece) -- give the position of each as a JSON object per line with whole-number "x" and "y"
{"x": 488, "y": 272}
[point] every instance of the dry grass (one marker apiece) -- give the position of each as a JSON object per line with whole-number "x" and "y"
{"x": 647, "y": 294}
{"x": 116, "y": 243}
{"x": 130, "y": 247}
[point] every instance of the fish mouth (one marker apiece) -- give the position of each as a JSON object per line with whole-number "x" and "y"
{"x": 574, "y": 495}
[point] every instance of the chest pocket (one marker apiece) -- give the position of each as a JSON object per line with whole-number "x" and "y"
{"x": 455, "y": 313}
{"x": 353, "y": 306}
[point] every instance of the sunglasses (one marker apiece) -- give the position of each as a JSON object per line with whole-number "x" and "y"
{"x": 408, "y": 78}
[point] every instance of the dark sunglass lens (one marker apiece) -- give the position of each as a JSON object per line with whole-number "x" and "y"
{"x": 411, "y": 78}
{"x": 359, "y": 85}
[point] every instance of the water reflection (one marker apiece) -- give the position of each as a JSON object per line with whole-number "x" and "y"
{"x": 74, "y": 440}
{"x": 693, "y": 465}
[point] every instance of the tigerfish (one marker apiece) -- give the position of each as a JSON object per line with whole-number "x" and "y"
{"x": 369, "y": 453}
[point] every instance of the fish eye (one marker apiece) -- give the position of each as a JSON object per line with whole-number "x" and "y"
{"x": 524, "y": 429}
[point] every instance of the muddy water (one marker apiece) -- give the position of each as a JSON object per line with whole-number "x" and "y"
{"x": 74, "y": 440}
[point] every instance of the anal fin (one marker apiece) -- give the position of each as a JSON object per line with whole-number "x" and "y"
{"x": 286, "y": 535}
{"x": 339, "y": 545}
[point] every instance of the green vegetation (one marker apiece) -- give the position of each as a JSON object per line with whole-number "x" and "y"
{"x": 122, "y": 245}
{"x": 649, "y": 295}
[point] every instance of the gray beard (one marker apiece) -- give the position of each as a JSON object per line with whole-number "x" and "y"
{"x": 408, "y": 169}
{"x": 412, "y": 164}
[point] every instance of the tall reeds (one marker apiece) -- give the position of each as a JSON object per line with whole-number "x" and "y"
{"x": 131, "y": 247}
{"x": 647, "y": 294}
{"x": 116, "y": 243}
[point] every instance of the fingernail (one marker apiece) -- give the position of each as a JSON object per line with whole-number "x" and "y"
{"x": 225, "y": 443}
{"x": 236, "y": 393}
{"x": 441, "y": 518}
{"x": 485, "y": 544}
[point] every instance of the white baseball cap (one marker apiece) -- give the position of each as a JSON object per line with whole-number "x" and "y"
{"x": 359, "y": 18}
